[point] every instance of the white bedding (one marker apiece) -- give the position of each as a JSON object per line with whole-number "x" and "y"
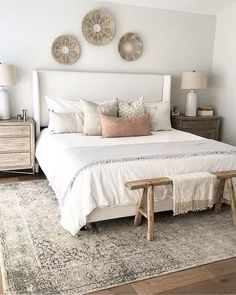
{"x": 103, "y": 186}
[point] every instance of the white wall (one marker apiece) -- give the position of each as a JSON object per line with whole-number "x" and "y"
{"x": 224, "y": 73}
{"x": 173, "y": 41}
{"x": 207, "y": 7}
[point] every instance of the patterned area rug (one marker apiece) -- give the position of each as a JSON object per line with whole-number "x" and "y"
{"x": 39, "y": 257}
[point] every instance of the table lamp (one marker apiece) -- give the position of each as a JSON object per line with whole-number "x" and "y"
{"x": 192, "y": 81}
{"x": 7, "y": 78}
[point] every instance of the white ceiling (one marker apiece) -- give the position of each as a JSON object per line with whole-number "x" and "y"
{"x": 210, "y": 7}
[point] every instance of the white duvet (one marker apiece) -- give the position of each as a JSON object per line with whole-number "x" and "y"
{"x": 103, "y": 185}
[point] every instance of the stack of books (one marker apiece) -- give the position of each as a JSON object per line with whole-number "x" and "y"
{"x": 205, "y": 111}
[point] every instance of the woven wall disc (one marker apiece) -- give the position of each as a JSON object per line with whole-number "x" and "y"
{"x": 65, "y": 49}
{"x": 98, "y": 27}
{"x": 130, "y": 47}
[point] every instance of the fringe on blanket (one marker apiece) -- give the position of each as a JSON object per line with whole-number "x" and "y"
{"x": 194, "y": 205}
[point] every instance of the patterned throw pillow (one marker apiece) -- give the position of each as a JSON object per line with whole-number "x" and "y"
{"x": 130, "y": 110}
{"x": 92, "y": 111}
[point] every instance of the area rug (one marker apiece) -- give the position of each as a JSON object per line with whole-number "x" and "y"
{"x": 39, "y": 257}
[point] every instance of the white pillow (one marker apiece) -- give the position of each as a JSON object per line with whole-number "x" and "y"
{"x": 159, "y": 115}
{"x": 64, "y": 123}
{"x": 59, "y": 105}
{"x": 92, "y": 111}
{"x": 132, "y": 109}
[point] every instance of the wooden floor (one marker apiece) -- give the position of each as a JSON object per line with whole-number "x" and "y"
{"x": 214, "y": 278}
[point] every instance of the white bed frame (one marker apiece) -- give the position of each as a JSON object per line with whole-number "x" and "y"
{"x": 97, "y": 87}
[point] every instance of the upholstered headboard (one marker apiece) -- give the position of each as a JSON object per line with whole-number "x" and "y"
{"x": 95, "y": 87}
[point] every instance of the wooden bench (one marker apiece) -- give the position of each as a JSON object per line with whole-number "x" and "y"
{"x": 146, "y": 202}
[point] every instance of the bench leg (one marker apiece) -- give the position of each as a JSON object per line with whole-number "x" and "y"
{"x": 232, "y": 198}
{"x": 150, "y": 212}
{"x": 219, "y": 196}
{"x": 138, "y": 216}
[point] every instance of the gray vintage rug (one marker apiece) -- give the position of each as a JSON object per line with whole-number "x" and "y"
{"x": 39, "y": 257}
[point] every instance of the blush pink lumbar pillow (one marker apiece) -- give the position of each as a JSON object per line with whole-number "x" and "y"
{"x": 123, "y": 127}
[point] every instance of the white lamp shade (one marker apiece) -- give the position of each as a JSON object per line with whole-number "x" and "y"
{"x": 193, "y": 80}
{"x": 7, "y": 75}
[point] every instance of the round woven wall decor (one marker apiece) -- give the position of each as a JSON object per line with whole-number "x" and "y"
{"x": 130, "y": 47}
{"x": 98, "y": 27}
{"x": 65, "y": 49}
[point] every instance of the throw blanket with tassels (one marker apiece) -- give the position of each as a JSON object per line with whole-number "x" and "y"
{"x": 79, "y": 159}
{"x": 193, "y": 192}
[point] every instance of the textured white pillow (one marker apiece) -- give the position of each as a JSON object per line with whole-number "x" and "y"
{"x": 92, "y": 111}
{"x": 64, "y": 123}
{"x": 159, "y": 115}
{"x": 130, "y": 110}
{"x": 59, "y": 105}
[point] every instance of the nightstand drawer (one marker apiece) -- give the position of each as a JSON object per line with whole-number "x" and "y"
{"x": 14, "y": 130}
{"x": 15, "y": 160}
{"x": 208, "y": 127}
{"x": 10, "y": 144}
{"x": 17, "y": 144}
{"x": 199, "y": 124}
{"x": 210, "y": 133}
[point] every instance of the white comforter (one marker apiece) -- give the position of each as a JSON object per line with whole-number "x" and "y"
{"x": 103, "y": 185}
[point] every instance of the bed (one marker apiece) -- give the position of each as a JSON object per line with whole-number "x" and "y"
{"x": 98, "y": 192}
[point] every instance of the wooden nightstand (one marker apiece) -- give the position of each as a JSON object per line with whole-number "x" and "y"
{"x": 17, "y": 145}
{"x": 205, "y": 126}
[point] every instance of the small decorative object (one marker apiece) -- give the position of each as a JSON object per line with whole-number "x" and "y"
{"x": 19, "y": 117}
{"x": 130, "y": 47}
{"x": 24, "y": 114}
{"x": 192, "y": 81}
{"x": 205, "y": 111}
{"x": 65, "y": 49}
{"x": 98, "y": 27}
{"x": 7, "y": 78}
{"x": 175, "y": 111}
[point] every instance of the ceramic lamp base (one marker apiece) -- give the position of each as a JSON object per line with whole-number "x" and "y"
{"x": 4, "y": 105}
{"x": 191, "y": 104}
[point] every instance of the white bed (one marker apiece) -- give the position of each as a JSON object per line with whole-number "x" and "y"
{"x": 99, "y": 193}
